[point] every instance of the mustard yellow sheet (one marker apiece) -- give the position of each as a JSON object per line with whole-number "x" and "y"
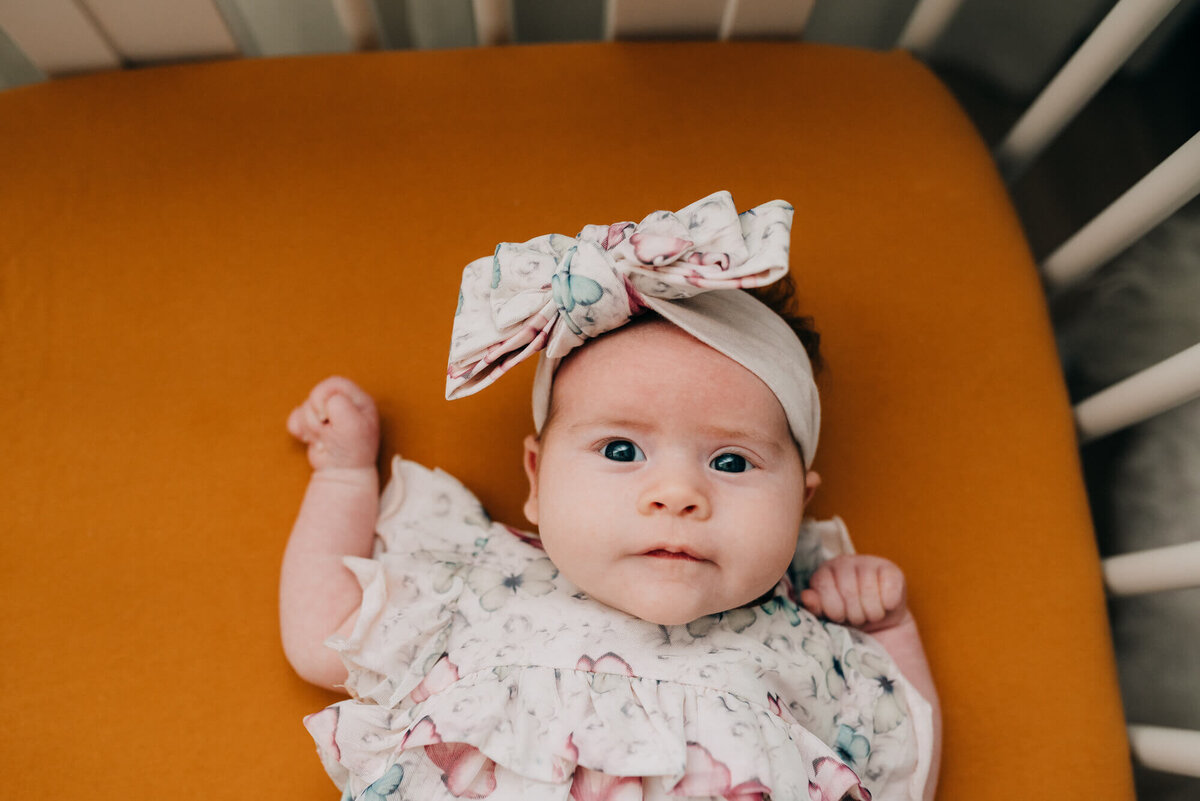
{"x": 185, "y": 251}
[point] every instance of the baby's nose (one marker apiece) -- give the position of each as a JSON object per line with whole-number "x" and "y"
{"x": 676, "y": 495}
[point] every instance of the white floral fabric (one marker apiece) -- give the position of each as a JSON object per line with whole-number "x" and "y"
{"x": 476, "y": 670}
{"x": 553, "y": 292}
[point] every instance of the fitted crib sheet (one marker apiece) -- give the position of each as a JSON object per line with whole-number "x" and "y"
{"x": 185, "y": 250}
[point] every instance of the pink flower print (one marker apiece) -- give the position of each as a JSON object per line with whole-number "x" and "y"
{"x": 323, "y": 728}
{"x": 637, "y": 303}
{"x": 656, "y": 250}
{"x": 565, "y": 761}
{"x": 526, "y": 537}
{"x": 609, "y": 663}
{"x": 834, "y": 782}
{"x": 424, "y": 733}
{"x": 781, "y": 709}
{"x": 707, "y": 776}
{"x": 592, "y": 785}
{"x": 607, "y": 671}
{"x": 466, "y": 772}
{"x": 616, "y": 234}
{"x": 442, "y": 675}
{"x": 721, "y": 260}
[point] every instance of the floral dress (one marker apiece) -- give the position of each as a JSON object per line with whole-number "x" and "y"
{"x": 477, "y": 671}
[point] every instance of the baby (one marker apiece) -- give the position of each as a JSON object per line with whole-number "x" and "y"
{"x": 646, "y": 642}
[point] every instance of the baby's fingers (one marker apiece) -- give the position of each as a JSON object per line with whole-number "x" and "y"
{"x": 337, "y": 387}
{"x": 810, "y": 599}
{"x": 829, "y": 601}
{"x": 349, "y": 419}
{"x": 304, "y": 423}
{"x": 893, "y": 592}
{"x": 869, "y": 597}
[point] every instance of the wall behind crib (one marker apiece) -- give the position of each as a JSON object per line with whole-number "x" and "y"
{"x": 1014, "y": 44}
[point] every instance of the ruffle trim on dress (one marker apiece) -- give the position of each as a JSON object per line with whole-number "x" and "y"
{"x": 546, "y": 724}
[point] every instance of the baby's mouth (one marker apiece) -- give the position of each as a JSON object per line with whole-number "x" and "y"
{"x": 663, "y": 553}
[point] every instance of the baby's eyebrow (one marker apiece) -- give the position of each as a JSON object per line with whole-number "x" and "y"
{"x": 611, "y": 422}
{"x": 760, "y": 439}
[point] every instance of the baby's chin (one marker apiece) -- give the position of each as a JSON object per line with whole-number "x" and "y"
{"x": 667, "y": 614}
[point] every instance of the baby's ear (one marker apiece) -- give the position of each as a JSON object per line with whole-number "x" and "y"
{"x": 532, "y": 454}
{"x": 812, "y": 480}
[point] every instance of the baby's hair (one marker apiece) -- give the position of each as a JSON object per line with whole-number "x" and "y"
{"x": 780, "y": 297}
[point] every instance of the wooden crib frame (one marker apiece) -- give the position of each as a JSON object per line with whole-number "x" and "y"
{"x": 46, "y": 40}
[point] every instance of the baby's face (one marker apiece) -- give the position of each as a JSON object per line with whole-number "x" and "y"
{"x": 666, "y": 483}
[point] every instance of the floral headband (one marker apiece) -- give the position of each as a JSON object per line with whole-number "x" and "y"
{"x": 553, "y": 293}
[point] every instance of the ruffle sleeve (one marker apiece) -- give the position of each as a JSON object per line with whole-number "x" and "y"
{"x": 819, "y": 541}
{"x": 430, "y": 528}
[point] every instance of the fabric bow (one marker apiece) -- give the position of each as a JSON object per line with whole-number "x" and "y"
{"x": 554, "y": 292}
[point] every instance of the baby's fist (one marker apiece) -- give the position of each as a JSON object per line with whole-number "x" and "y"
{"x": 867, "y": 592}
{"x": 339, "y": 423}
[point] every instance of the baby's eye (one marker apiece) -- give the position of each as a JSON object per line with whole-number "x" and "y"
{"x": 730, "y": 463}
{"x": 622, "y": 450}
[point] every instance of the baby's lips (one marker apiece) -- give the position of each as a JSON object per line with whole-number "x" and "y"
{"x": 673, "y": 552}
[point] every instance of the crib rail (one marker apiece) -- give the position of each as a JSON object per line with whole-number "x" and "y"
{"x": 1097, "y": 59}
{"x": 1150, "y": 201}
{"x": 51, "y": 38}
{"x": 926, "y": 23}
{"x": 1170, "y": 750}
{"x": 1172, "y": 568}
{"x": 1156, "y": 389}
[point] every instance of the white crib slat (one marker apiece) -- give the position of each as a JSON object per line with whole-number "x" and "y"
{"x": 15, "y": 67}
{"x": 1174, "y": 567}
{"x": 1113, "y": 40}
{"x": 57, "y": 37}
{"x": 285, "y": 27}
{"x": 149, "y": 31}
{"x": 1168, "y": 384}
{"x": 1150, "y": 201}
{"x": 239, "y": 28}
{"x": 765, "y": 19}
{"x": 435, "y": 24}
{"x": 493, "y": 21}
{"x": 676, "y": 19}
{"x": 926, "y": 23}
{"x": 359, "y": 22}
{"x": 1170, "y": 750}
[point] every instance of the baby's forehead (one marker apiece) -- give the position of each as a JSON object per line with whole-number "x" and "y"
{"x": 652, "y": 368}
{"x": 646, "y": 332}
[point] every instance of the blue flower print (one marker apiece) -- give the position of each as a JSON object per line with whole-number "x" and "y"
{"x": 835, "y": 675}
{"x": 891, "y": 708}
{"x": 854, "y": 749}
{"x": 738, "y": 620}
{"x": 495, "y": 588}
{"x": 496, "y": 266}
{"x": 385, "y": 786}
{"x": 785, "y": 605}
{"x": 570, "y": 291}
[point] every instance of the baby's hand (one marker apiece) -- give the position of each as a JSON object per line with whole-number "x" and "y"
{"x": 867, "y": 592}
{"x": 339, "y": 424}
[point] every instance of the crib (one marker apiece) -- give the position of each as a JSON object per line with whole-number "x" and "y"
{"x": 89, "y": 444}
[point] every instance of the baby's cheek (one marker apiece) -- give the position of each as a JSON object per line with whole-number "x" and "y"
{"x": 774, "y": 558}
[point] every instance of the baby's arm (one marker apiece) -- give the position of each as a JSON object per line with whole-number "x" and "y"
{"x": 869, "y": 593}
{"x": 318, "y": 595}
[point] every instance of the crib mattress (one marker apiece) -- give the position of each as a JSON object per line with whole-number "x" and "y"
{"x": 184, "y": 251}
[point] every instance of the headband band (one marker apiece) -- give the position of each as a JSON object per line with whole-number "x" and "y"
{"x": 552, "y": 293}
